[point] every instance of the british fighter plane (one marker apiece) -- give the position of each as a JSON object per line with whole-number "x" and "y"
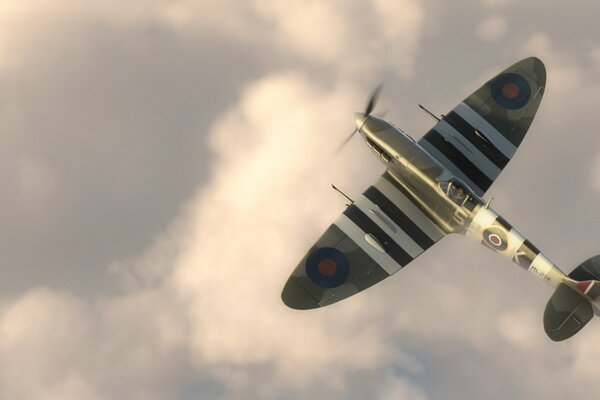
{"x": 434, "y": 187}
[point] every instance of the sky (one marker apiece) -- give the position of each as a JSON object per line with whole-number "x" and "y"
{"x": 166, "y": 164}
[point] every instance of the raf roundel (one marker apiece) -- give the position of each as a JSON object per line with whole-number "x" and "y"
{"x": 511, "y": 91}
{"x": 495, "y": 238}
{"x": 327, "y": 267}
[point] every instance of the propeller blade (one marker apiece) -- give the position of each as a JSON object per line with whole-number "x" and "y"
{"x": 372, "y": 100}
{"x": 345, "y": 142}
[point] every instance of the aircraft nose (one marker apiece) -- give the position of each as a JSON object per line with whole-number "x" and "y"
{"x": 359, "y": 119}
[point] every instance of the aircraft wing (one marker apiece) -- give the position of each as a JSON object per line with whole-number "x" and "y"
{"x": 376, "y": 236}
{"x": 480, "y": 135}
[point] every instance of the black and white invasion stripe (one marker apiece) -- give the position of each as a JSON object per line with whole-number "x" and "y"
{"x": 470, "y": 147}
{"x": 392, "y": 218}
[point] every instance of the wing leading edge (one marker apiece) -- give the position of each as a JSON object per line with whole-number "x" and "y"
{"x": 376, "y": 236}
{"x": 480, "y": 135}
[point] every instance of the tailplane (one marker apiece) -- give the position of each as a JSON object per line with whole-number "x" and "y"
{"x": 572, "y": 306}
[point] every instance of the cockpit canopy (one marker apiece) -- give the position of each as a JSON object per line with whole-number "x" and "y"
{"x": 459, "y": 193}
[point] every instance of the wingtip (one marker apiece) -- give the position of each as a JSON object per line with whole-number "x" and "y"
{"x": 534, "y": 67}
{"x": 297, "y": 298}
{"x": 540, "y": 70}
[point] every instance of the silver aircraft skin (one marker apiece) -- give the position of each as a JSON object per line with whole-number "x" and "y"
{"x": 434, "y": 187}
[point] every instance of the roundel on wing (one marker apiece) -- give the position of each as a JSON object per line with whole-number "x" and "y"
{"x": 495, "y": 237}
{"x": 510, "y": 91}
{"x": 327, "y": 267}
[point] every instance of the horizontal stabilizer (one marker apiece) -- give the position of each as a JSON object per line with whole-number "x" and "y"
{"x": 566, "y": 313}
{"x": 587, "y": 270}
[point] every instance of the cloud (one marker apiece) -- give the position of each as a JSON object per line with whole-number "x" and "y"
{"x": 354, "y": 39}
{"x": 496, "y": 3}
{"x": 349, "y": 38}
{"x": 594, "y": 56}
{"x": 191, "y": 301}
{"x": 570, "y": 76}
{"x": 221, "y": 305}
{"x": 401, "y": 24}
{"x": 514, "y": 327}
{"x": 595, "y": 174}
{"x": 197, "y": 313}
{"x": 44, "y": 335}
{"x": 492, "y": 29}
{"x": 256, "y": 203}
{"x": 398, "y": 388}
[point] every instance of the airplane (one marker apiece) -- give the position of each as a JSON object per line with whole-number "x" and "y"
{"x": 434, "y": 187}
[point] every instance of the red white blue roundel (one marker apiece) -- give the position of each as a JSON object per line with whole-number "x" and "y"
{"x": 511, "y": 91}
{"x": 495, "y": 238}
{"x": 327, "y": 267}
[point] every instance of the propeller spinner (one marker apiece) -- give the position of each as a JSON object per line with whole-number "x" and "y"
{"x": 360, "y": 118}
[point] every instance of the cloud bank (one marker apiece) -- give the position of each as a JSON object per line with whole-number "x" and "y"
{"x": 101, "y": 118}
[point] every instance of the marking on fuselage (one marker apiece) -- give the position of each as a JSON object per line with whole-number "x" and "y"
{"x": 594, "y": 291}
{"x": 484, "y": 217}
{"x": 503, "y": 223}
{"x": 541, "y": 266}
{"x": 496, "y": 238}
{"x": 516, "y": 258}
{"x": 525, "y": 255}
{"x": 460, "y": 216}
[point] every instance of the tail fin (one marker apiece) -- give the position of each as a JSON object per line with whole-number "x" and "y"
{"x": 570, "y": 307}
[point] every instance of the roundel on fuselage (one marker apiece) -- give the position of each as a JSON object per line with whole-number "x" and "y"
{"x": 510, "y": 91}
{"x": 327, "y": 267}
{"x": 495, "y": 238}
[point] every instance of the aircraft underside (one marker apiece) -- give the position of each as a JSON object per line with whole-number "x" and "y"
{"x": 434, "y": 187}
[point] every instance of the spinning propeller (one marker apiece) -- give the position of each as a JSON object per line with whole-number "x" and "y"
{"x": 370, "y": 106}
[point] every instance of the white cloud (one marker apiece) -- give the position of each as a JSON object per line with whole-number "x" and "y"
{"x": 219, "y": 297}
{"x": 398, "y": 388}
{"x": 210, "y": 288}
{"x": 44, "y": 335}
{"x": 317, "y": 29}
{"x": 564, "y": 75}
{"x": 515, "y": 327}
{"x": 256, "y": 204}
{"x": 401, "y": 23}
{"x": 213, "y": 306}
{"x": 352, "y": 38}
{"x": 492, "y": 29}
{"x": 202, "y": 303}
